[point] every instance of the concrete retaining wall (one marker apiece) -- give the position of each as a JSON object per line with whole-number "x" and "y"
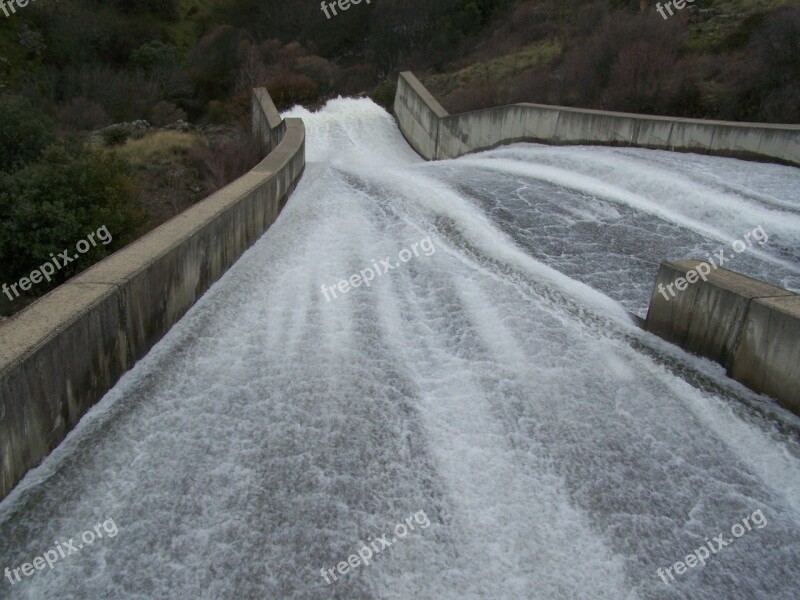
{"x": 418, "y": 114}
{"x": 436, "y": 135}
{"x": 64, "y": 352}
{"x": 750, "y": 327}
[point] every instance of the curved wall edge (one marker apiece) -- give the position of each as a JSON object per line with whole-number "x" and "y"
{"x": 437, "y": 135}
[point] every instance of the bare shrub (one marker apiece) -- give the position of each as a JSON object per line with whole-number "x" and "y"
{"x": 533, "y": 86}
{"x": 468, "y": 98}
{"x": 359, "y": 78}
{"x": 288, "y": 88}
{"x": 638, "y": 78}
{"x": 252, "y": 71}
{"x": 166, "y": 113}
{"x": 214, "y": 62}
{"x": 170, "y": 81}
{"x": 324, "y": 73}
{"x": 291, "y": 52}
{"x": 223, "y": 158}
{"x": 609, "y": 54}
{"x": 82, "y": 114}
{"x": 125, "y": 96}
{"x": 526, "y": 25}
{"x": 270, "y": 50}
{"x": 764, "y": 82}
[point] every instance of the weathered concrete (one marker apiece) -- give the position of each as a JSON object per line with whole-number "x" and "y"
{"x": 750, "y": 327}
{"x": 267, "y": 121}
{"x": 435, "y": 134}
{"x": 768, "y": 356}
{"x": 418, "y": 114}
{"x": 64, "y": 352}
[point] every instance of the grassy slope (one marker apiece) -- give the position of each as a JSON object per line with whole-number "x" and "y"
{"x": 721, "y": 18}
{"x": 503, "y": 68}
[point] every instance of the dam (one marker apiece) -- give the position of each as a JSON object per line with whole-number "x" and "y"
{"x": 499, "y": 385}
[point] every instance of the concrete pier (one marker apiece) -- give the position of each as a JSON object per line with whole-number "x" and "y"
{"x": 750, "y": 327}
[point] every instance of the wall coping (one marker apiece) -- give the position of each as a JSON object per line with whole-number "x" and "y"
{"x": 627, "y": 115}
{"x": 424, "y": 94}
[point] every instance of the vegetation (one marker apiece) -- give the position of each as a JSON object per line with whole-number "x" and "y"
{"x": 69, "y": 157}
{"x": 53, "y": 202}
{"x": 163, "y": 147}
{"x": 734, "y": 60}
{"x": 194, "y": 59}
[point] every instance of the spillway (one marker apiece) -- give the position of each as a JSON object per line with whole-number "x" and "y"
{"x": 490, "y": 379}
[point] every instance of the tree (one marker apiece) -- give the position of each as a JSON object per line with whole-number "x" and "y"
{"x": 214, "y": 62}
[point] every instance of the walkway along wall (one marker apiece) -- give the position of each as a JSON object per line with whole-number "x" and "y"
{"x": 435, "y": 134}
{"x": 60, "y": 356}
{"x": 750, "y": 327}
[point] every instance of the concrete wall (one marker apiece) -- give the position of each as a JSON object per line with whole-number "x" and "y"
{"x": 59, "y": 356}
{"x": 750, "y": 327}
{"x": 435, "y": 134}
{"x": 768, "y": 356}
{"x": 418, "y": 114}
{"x": 267, "y": 121}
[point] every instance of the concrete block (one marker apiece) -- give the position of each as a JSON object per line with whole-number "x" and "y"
{"x": 706, "y": 317}
{"x": 767, "y": 358}
{"x": 750, "y": 327}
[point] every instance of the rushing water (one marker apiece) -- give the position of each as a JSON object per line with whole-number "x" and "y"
{"x": 494, "y": 383}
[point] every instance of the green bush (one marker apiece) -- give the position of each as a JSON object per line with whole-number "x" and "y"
{"x": 166, "y": 9}
{"x": 153, "y": 54}
{"x": 49, "y": 206}
{"x": 384, "y": 94}
{"x": 115, "y": 135}
{"x": 24, "y": 132}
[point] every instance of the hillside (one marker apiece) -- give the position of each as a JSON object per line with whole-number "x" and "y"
{"x": 734, "y": 59}
{"x": 152, "y": 96}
